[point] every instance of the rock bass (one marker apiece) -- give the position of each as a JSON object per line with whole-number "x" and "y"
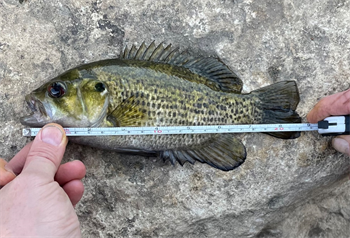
{"x": 162, "y": 86}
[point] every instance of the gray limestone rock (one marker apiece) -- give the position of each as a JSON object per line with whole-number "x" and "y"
{"x": 286, "y": 188}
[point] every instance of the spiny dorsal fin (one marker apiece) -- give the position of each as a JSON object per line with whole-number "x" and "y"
{"x": 217, "y": 75}
{"x": 225, "y": 153}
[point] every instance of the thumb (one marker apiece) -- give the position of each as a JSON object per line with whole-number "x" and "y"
{"x": 342, "y": 144}
{"x": 46, "y": 153}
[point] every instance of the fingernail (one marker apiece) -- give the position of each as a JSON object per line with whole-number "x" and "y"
{"x": 8, "y": 169}
{"x": 6, "y": 174}
{"x": 52, "y": 135}
{"x": 5, "y": 165}
{"x": 341, "y": 145}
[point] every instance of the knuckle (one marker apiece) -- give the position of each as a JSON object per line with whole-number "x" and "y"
{"x": 44, "y": 152}
{"x": 323, "y": 101}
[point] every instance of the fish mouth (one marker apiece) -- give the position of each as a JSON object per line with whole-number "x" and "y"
{"x": 39, "y": 115}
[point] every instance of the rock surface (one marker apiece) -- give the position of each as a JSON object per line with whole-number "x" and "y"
{"x": 286, "y": 188}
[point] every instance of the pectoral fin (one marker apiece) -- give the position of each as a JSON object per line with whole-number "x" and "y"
{"x": 225, "y": 153}
{"x": 128, "y": 113}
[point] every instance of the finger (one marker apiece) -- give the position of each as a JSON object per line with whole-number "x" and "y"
{"x": 342, "y": 144}
{"x": 74, "y": 170}
{"x": 46, "y": 153}
{"x": 334, "y": 105}
{"x": 5, "y": 175}
{"x": 74, "y": 190}
{"x": 16, "y": 163}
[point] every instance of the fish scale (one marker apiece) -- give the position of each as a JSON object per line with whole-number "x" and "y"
{"x": 168, "y": 100}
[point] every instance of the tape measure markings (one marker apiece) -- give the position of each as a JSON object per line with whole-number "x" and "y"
{"x": 100, "y": 131}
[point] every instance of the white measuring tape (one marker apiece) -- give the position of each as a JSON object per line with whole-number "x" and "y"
{"x": 329, "y": 126}
{"x": 170, "y": 130}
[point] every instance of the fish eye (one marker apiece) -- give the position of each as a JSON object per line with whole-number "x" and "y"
{"x": 56, "y": 89}
{"x": 100, "y": 87}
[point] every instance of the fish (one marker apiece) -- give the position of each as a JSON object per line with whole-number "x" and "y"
{"x": 156, "y": 85}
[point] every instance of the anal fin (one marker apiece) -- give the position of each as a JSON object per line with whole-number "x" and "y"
{"x": 225, "y": 153}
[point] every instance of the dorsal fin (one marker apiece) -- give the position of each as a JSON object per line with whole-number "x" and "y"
{"x": 216, "y": 74}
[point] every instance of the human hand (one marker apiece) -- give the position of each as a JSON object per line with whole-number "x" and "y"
{"x": 40, "y": 201}
{"x": 334, "y": 105}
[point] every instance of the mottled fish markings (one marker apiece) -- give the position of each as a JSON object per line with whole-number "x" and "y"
{"x": 161, "y": 86}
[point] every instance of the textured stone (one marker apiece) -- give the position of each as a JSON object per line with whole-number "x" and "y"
{"x": 286, "y": 188}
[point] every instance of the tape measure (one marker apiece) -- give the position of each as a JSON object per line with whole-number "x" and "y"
{"x": 335, "y": 125}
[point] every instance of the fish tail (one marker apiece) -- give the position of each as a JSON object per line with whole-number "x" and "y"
{"x": 279, "y": 102}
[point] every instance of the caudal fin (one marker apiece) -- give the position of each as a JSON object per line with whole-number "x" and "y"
{"x": 279, "y": 102}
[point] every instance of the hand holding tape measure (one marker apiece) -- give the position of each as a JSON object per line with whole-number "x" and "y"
{"x": 336, "y": 104}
